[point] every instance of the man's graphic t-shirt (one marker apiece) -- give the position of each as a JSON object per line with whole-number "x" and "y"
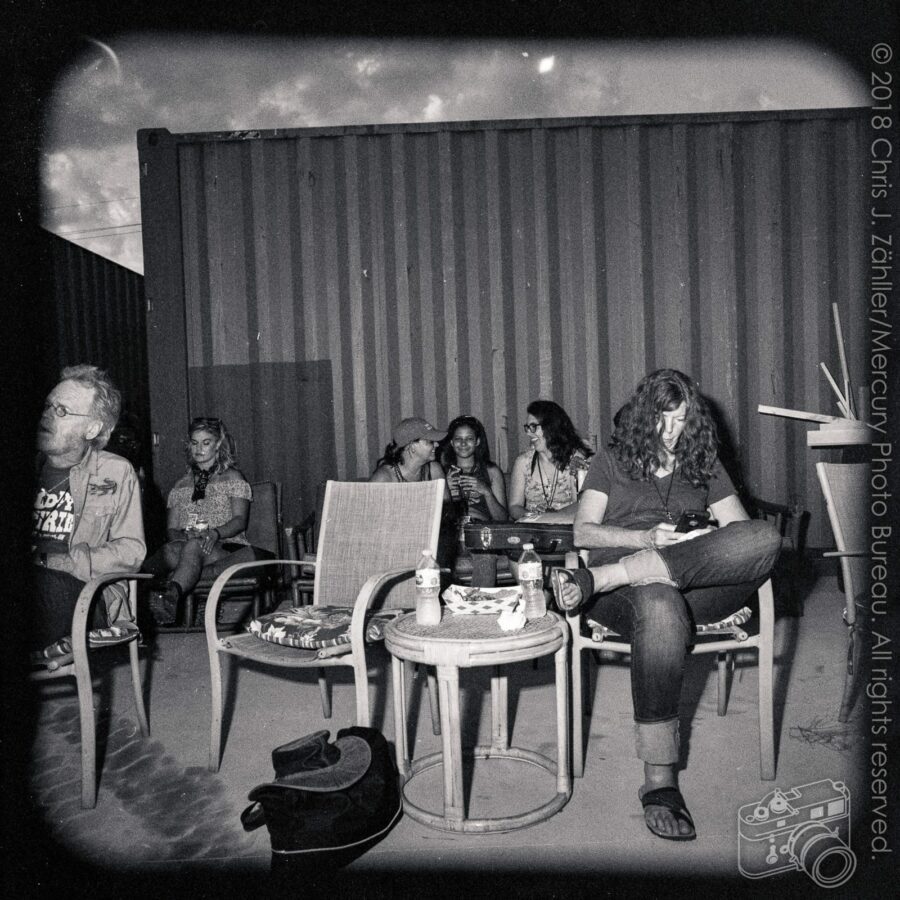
{"x": 53, "y": 512}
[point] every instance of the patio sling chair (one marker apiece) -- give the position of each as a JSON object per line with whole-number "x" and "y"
{"x": 370, "y": 540}
{"x": 722, "y": 638}
{"x": 846, "y": 487}
{"x": 78, "y": 667}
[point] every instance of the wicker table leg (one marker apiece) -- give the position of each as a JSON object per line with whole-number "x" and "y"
{"x": 563, "y": 776}
{"x": 499, "y": 711}
{"x": 451, "y": 740}
{"x": 400, "y": 728}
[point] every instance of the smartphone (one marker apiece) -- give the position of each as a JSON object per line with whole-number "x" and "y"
{"x": 691, "y": 520}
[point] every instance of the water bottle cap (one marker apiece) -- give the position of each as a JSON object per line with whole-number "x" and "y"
{"x": 426, "y": 552}
{"x": 528, "y": 546}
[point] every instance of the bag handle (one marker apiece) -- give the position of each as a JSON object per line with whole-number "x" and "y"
{"x": 253, "y": 816}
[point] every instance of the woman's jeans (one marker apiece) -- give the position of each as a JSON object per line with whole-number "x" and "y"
{"x": 715, "y": 574}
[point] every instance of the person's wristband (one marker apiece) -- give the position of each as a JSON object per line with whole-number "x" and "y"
{"x": 218, "y": 533}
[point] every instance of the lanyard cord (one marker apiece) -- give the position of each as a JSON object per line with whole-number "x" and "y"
{"x": 547, "y": 499}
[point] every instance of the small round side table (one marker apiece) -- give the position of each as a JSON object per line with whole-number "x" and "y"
{"x": 467, "y": 641}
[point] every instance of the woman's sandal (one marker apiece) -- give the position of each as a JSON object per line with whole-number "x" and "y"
{"x": 581, "y": 578}
{"x": 669, "y": 798}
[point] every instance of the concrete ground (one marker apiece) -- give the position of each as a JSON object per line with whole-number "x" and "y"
{"x": 163, "y": 819}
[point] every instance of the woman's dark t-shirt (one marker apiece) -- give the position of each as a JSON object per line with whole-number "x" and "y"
{"x": 642, "y": 504}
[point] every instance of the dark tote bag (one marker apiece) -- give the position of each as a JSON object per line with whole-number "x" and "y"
{"x": 329, "y": 802}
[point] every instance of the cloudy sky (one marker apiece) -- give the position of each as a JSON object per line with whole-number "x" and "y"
{"x": 89, "y": 167}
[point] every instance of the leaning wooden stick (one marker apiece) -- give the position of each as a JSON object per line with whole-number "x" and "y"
{"x": 841, "y": 399}
{"x": 845, "y": 372}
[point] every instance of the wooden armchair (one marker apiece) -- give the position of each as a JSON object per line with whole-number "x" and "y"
{"x": 84, "y": 643}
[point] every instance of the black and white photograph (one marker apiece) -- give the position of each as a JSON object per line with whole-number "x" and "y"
{"x": 451, "y": 449}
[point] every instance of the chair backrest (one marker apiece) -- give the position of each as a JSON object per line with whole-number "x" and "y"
{"x": 372, "y": 528}
{"x": 846, "y": 488}
{"x": 264, "y": 525}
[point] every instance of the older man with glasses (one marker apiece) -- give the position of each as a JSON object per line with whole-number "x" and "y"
{"x": 87, "y": 508}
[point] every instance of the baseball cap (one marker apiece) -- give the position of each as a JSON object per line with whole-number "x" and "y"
{"x": 415, "y": 429}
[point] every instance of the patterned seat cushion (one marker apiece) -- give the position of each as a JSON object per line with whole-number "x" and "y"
{"x": 316, "y": 627}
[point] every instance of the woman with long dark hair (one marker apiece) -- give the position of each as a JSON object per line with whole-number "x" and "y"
{"x": 545, "y": 478}
{"x": 207, "y": 515}
{"x": 475, "y": 482}
{"x": 649, "y": 583}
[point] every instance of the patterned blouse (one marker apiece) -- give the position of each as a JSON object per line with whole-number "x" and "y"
{"x": 548, "y": 488}
{"x": 215, "y": 507}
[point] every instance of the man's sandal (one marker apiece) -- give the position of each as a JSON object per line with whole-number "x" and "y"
{"x": 113, "y": 634}
{"x": 669, "y": 798}
{"x": 54, "y": 656}
{"x": 580, "y": 578}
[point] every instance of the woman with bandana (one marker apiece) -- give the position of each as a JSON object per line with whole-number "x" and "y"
{"x": 207, "y": 513}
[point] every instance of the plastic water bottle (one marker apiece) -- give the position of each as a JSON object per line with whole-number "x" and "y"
{"x": 531, "y": 579}
{"x": 428, "y": 589}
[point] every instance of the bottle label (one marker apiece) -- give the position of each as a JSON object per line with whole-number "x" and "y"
{"x": 530, "y": 571}
{"x": 428, "y": 578}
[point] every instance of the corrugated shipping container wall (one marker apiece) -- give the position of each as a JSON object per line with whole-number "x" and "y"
{"x": 336, "y": 280}
{"x": 96, "y": 313}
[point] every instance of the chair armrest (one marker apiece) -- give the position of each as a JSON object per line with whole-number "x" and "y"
{"x": 770, "y": 507}
{"x": 212, "y": 601}
{"x": 86, "y": 600}
{"x": 364, "y": 598}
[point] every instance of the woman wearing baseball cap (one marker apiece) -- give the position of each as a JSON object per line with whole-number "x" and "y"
{"x": 410, "y": 456}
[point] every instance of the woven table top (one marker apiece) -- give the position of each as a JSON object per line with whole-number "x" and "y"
{"x": 472, "y": 639}
{"x": 470, "y": 627}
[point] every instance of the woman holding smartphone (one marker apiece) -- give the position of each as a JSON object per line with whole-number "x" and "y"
{"x": 649, "y": 582}
{"x": 475, "y": 483}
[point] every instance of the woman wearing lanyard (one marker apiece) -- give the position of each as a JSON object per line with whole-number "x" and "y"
{"x": 546, "y": 478}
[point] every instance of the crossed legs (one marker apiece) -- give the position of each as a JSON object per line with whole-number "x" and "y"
{"x": 653, "y": 599}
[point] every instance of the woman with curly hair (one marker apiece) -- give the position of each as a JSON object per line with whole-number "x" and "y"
{"x": 475, "y": 482}
{"x": 208, "y": 509}
{"x": 649, "y": 583}
{"x": 545, "y": 478}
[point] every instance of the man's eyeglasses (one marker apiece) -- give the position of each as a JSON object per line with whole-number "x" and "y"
{"x": 62, "y": 411}
{"x": 532, "y": 427}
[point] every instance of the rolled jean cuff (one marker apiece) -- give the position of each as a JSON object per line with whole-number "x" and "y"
{"x": 657, "y": 743}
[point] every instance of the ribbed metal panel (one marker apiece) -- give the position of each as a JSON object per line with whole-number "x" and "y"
{"x": 97, "y": 315}
{"x": 473, "y": 267}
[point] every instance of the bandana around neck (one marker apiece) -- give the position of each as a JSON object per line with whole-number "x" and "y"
{"x": 201, "y": 480}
